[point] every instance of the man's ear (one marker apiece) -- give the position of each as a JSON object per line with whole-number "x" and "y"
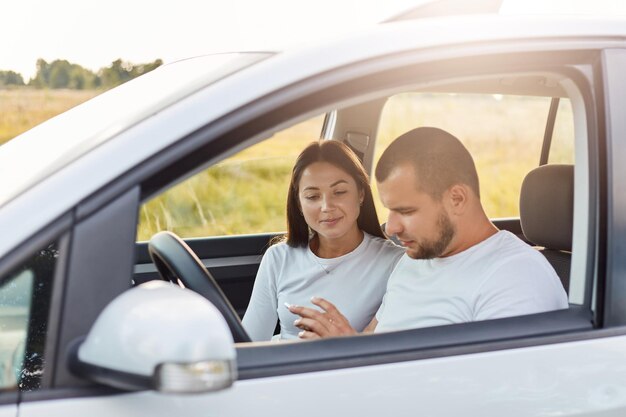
{"x": 458, "y": 198}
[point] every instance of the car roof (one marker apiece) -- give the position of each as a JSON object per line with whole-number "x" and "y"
{"x": 442, "y": 8}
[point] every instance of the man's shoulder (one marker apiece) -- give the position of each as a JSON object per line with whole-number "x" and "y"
{"x": 515, "y": 259}
{"x": 380, "y": 244}
{"x": 506, "y": 244}
{"x": 507, "y": 255}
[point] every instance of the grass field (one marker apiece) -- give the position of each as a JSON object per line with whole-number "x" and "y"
{"x": 247, "y": 192}
{"x": 503, "y": 134}
{"x": 21, "y": 109}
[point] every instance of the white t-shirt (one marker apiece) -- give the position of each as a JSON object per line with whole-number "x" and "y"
{"x": 355, "y": 283}
{"x": 499, "y": 277}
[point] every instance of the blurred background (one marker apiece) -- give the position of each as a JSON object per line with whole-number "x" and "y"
{"x": 59, "y": 54}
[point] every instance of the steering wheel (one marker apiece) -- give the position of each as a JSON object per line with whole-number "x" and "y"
{"x": 176, "y": 262}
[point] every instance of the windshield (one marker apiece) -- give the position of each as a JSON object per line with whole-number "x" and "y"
{"x": 48, "y": 147}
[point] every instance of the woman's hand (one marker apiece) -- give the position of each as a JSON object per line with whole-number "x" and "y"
{"x": 317, "y": 324}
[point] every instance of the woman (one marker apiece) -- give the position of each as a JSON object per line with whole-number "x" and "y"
{"x": 334, "y": 248}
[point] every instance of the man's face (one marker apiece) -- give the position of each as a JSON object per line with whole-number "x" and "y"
{"x": 420, "y": 222}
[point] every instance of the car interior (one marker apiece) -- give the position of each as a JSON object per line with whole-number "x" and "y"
{"x": 545, "y": 220}
{"x": 546, "y": 214}
{"x": 527, "y": 185}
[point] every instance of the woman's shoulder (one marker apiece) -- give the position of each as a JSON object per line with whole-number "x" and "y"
{"x": 282, "y": 249}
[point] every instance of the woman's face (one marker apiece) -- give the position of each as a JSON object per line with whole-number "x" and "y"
{"x": 330, "y": 200}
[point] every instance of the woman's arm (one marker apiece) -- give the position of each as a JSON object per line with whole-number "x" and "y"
{"x": 261, "y": 315}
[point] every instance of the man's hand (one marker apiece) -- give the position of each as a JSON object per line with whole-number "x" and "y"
{"x": 316, "y": 324}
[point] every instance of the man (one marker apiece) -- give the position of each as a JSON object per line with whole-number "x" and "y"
{"x": 458, "y": 266}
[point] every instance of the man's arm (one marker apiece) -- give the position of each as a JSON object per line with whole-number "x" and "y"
{"x": 327, "y": 323}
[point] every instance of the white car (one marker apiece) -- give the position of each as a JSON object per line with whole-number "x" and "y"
{"x": 88, "y": 329}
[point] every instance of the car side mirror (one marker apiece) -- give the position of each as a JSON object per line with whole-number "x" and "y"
{"x": 158, "y": 336}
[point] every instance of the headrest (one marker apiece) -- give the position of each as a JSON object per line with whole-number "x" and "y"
{"x": 547, "y": 206}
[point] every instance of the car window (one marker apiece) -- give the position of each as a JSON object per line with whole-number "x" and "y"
{"x": 503, "y": 133}
{"x": 24, "y": 304}
{"x": 27, "y": 161}
{"x": 243, "y": 194}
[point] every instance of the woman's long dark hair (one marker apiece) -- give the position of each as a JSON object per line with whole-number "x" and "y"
{"x": 339, "y": 155}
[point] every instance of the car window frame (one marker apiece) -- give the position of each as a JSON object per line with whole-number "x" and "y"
{"x": 581, "y": 322}
{"x": 326, "y": 124}
{"x": 81, "y": 292}
{"x": 609, "y": 291}
{"x": 261, "y": 360}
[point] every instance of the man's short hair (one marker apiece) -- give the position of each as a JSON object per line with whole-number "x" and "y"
{"x": 440, "y": 160}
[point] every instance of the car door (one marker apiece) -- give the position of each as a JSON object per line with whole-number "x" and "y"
{"x": 563, "y": 362}
{"x": 278, "y": 375}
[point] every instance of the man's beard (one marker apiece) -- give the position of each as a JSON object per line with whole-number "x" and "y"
{"x": 429, "y": 249}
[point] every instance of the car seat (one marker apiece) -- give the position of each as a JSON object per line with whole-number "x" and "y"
{"x": 547, "y": 213}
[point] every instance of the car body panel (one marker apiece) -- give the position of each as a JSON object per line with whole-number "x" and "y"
{"x": 616, "y": 194}
{"x": 543, "y": 380}
{"x": 8, "y": 410}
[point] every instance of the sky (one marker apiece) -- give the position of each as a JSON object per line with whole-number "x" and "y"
{"x": 93, "y": 33}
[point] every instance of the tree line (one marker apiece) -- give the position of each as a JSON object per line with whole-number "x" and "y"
{"x": 63, "y": 74}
